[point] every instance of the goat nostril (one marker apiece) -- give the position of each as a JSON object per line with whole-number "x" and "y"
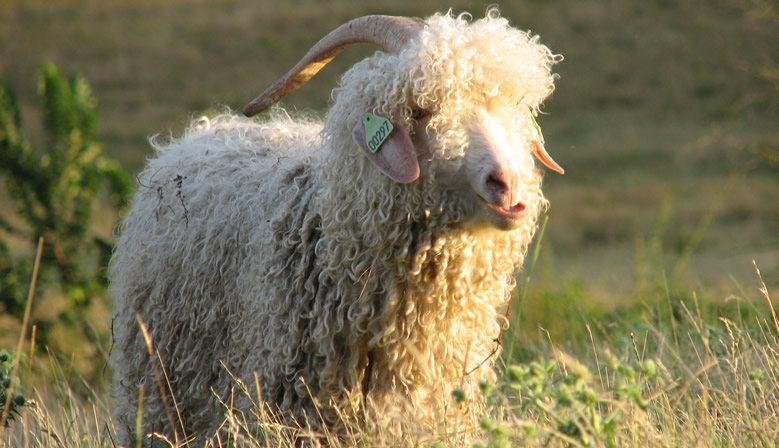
{"x": 496, "y": 184}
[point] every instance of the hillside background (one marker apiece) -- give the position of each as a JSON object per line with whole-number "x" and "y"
{"x": 665, "y": 117}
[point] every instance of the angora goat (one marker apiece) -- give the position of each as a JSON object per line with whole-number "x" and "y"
{"x": 340, "y": 259}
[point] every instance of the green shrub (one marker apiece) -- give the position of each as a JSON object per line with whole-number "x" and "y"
{"x": 53, "y": 192}
{"x": 8, "y": 398}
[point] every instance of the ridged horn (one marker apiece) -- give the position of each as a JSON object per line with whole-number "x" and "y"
{"x": 388, "y": 33}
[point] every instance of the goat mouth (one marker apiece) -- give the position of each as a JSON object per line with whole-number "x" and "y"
{"x": 514, "y": 212}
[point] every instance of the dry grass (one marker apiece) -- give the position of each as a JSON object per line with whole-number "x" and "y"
{"x": 680, "y": 373}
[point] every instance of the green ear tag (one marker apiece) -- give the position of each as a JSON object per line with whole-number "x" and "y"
{"x": 377, "y": 129}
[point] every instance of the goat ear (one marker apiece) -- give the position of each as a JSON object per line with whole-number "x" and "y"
{"x": 395, "y": 157}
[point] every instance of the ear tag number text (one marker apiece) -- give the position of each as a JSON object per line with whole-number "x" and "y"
{"x": 377, "y": 129}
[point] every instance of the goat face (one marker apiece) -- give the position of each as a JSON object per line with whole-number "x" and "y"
{"x": 493, "y": 177}
{"x": 454, "y": 101}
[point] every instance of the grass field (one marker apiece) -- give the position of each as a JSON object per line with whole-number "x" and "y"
{"x": 665, "y": 117}
{"x": 679, "y": 373}
{"x": 663, "y": 111}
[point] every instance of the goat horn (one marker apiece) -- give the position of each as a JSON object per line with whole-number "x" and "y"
{"x": 545, "y": 158}
{"x": 388, "y": 33}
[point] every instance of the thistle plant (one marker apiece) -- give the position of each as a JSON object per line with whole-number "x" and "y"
{"x": 560, "y": 402}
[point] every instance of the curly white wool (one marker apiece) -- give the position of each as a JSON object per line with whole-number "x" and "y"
{"x": 275, "y": 248}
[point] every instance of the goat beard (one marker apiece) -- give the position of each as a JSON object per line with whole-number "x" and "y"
{"x": 426, "y": 304}
{"x": 408, "y": 303}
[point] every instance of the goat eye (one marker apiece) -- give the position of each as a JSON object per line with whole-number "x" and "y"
{"x": 417, "y": 113}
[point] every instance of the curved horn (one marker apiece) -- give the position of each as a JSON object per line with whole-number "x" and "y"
{"x": 545, "y": 158}
{"x": 386, "y": 32}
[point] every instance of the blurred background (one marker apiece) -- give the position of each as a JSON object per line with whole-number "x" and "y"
{"x": 665, "y": 117}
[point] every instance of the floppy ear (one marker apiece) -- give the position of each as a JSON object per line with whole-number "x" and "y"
{"x": 394, "y": 155}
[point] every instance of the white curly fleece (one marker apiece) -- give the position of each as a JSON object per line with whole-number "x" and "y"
{"x": 275, "y": 247}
